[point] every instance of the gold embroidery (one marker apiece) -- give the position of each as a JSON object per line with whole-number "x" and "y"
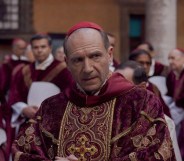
{"x": 51, "y": 152}
{"x": 140, "y": 142}
{"x": 37, "y": 140}
{"x": 30, "y": 130}
{"x": 133, "y": 156}
{"x": 27, "y": 148}
{"x": 157, "y": 156}
{"x": 38, "y": 117}
{"x": 21, "y": 141}
{"x": 152, "y": 119}
{"x": 165, "y": 149}
{"x": 48, "y": 134}
{"x": 82, "y": 147}
{"x": 86, "y": 132}
{"x": 122, "y": 134}
{"x": 29, "y": 137}
{"x": 17, "y": 156}
{"x": 32, "y": 121}
{"x": 152, "y": 131}
{"x": 137, "y": 140}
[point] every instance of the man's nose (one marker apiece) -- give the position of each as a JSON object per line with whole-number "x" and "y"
{"x": 88, "y": 67}
{"x": 39, "y": 50}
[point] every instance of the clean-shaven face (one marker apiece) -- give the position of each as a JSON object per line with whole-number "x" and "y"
{"x": 41, "y": 49}
{"x": 176, "y": 60}
{"x": 87, "y": 59}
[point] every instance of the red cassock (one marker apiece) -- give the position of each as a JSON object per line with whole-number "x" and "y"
{"x": 123, "y": 122}
{"x": 7, "y": 70}
{"x": 56, "y": 73}
{"x": 175, "y": 88}
{"x": 160, "y": 69}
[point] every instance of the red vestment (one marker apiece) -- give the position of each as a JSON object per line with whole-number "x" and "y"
{"x": 160, "y": 69}
{"x": 175, "y": 88}
{"x": 7, "y": 70}
{"x": 122, "y": 123}
{"x": 56, "y": 73}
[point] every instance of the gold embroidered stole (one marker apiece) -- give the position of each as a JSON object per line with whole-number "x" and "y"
{"x": 51, "y": 75}
{"x": 86, "y": 132}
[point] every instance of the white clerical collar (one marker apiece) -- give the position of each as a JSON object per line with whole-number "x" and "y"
{"x": 44, "y": 64}
{"x": 111, "y": 67}
{"x": 14, "y": 57}
{"x": 152, "y": 67}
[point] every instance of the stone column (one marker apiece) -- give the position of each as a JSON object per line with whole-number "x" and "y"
{"x": 161, "y": 27}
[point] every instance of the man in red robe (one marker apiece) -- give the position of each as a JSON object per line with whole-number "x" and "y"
{"x": 156, "y": 68}
{"x": 45, "y": 68}
{"x": 101, "y": 117}
{"x": 175, "y": 86}
{"x": 7, "y": 70}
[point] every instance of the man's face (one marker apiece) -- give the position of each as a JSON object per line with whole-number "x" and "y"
{"x": 176, "y": 60}
{"x": 145, "y": 61}
{"x": 87, "y": 59}
{"x": 19, "y": 48}
{"x": 60, "y": 55}
{"x": 41, "y": 49}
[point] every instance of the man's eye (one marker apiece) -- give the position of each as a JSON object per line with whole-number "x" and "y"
{"x": 95, "y": 56}
{"x": 77, "y": 60}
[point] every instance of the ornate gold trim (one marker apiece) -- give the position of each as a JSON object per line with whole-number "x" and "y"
{"x": 61, "y": 129}
{"x": 122, "y": 134}
{"x": 86, "y": 132}
{"x": 48, "y": 134}
{"x": 17, "y": 156}
{"x": 165, "y": 149}
{"x": 133, "y": 156}
{"x": 152, "y": 119}
{"x": 110, "y": 131}
{"x": 32, "y": 121}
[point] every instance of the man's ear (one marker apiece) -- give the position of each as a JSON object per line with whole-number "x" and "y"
{"x": 66, "y": 60}
{"x": 110, "y": 53}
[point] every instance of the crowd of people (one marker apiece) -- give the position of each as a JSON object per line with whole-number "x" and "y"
{"x": 104, "y": 110}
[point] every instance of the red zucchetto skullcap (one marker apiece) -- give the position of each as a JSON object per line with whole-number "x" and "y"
{"x": 84, "y": 24}
{"x": 181, "y": 50}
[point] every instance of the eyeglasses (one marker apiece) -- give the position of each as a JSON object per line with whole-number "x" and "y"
{"x": 145, "y": 63}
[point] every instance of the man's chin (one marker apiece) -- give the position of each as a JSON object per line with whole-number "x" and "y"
{"x": 91, "y": 91}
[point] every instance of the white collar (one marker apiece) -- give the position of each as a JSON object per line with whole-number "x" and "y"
{"x": 44, "y": 64}
{"x": 111, "y": 66}
{"x": 14, "y": 57}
